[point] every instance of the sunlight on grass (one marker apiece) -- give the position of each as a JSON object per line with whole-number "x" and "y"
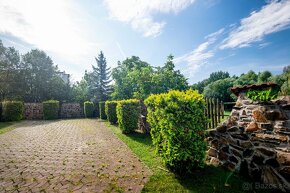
{"x": 208, "y": 179}
{"x": 5, "y": 127}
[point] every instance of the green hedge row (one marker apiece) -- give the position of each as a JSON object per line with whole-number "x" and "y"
{"x": 89, "y": 109}
{"x": 110, "y": 109}
{"x": 102, "y": 110}
{"x": 12, "y": 110}
{"x": 97, "y": 110}
{"x": 1, "y": 112}
{"x": 50, "y": 109}
{"x": 128, "y": 112}
{"x": 177, "y": 128}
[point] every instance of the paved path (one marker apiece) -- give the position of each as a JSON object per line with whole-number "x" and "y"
{"x": 80, "y": 155}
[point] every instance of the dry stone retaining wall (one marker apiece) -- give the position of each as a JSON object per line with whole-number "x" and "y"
{"x": 67, "y": 110}
{"x": 254, "y": 141}
{"x": 33, "y": 111}
{"x": 71, "y": 110}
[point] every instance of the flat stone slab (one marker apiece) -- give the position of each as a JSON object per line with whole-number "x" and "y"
{"x": 79, "y": 155}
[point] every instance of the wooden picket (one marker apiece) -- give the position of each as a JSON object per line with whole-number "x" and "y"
{"x": 214, "y": 112}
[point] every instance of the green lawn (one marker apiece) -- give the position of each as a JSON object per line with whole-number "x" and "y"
{"x": 209, "y": 179}
{"x": 227, "y": 113}
{"x": 6, "y": 126}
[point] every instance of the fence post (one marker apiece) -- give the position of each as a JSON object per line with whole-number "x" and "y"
{"x": 212, "y": 112}
{"x": 219, "y": 110}
{"x": 222, "y": 109}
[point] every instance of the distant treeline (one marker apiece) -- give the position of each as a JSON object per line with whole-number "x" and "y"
{"x": 33, "y": 77}
{"x": 219, "y": 83}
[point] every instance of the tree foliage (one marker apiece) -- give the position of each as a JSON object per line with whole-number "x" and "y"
{"x": 212, "y": 78}
{"x": 135, "y": 78}
{"x": 219, "y": 89}
{"x": 99, "y": 79}
{"x": 31, "y": 77}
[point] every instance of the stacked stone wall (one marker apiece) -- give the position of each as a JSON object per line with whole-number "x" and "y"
{"x": 71, "y": 110}
{"x": 34, "y": 111}
{"x": 254, "y": 141}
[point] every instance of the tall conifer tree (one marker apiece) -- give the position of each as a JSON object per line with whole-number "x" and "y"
{"x": 100, "y": 79}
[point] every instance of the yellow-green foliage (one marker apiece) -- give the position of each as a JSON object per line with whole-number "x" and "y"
{"x": 177, "y": 128}
{"x": 128, "y": 112}
{"x": 12, "y": 110}
{"x": 97, "y": 110}
{"x": 110, "y": 109}
{"x": 89, "y": 109}
{"x": 102, "y": 110}
{"x": 50, "y": 109}
{"x": 262, "y": 95}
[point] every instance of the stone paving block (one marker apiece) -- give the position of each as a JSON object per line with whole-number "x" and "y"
{"x": 79, "y": 155}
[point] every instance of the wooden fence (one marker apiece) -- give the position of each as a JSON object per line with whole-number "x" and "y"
{"x": 214, "y": 112}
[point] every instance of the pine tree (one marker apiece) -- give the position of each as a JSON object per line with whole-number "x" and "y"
{"x": 100, "y": 78}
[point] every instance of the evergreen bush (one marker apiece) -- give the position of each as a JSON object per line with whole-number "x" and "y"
{"x": 50, "y": 109}
{"x": 128, "y": 112}
{"x": 97, "y": 110}
{"x": 88, "y": 109}
{"x": 102, "y": 110}
{"x": 110, "y": 109}
{"x": 12, "y": 110}
{"x": 177, "y": 128}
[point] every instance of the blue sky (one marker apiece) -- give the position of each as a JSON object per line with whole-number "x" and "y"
{"x": 203, "y": 35}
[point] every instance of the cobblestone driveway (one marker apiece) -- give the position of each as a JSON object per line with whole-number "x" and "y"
{"x": 81, "y": 155}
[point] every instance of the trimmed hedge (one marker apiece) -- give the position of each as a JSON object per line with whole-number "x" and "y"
{"x": 102, "y": 110}
{"x": 177, "y": 128}
{"x": 97, "y": 110}
{"x": 1, "y": 111}
{"x": 128, "y": 112}
{"x": 110, "y": 109}
{"x": 89, "y": 109}
{"x": 50, "y": 109}
{"x": 12, "y": 110}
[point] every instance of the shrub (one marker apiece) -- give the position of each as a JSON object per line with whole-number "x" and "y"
{"x": 50, "y": 109}
{"x": 12, "y": 110}
{"x": 177, "y": 128}
{"x": 262, "y": 95}
{"x": 102, "y": 110}
{"x": 128, "y": 112}
{"x": 1, "y": 111}
{"x": 97, "y": 110}
{"x": 89, "y": 109}
{"x": 110, "y": 109}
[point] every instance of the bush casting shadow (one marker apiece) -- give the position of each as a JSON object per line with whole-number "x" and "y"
{"x": 208, "y": 179}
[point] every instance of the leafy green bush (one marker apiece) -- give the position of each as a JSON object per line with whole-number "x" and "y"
{"x": 128, "y": 112}
{"x": 262, "y": 95}
{"x": 50, "y": 109}
{"x": 177, "y": 128}
{"x": 97, "y": 110}
{"x": 89, "y": 109}
{"x": 110, "y": 109}
{"x": 0, "y": 111}
{"x": 12, "y": 110}
{"x": 102, "y": 110}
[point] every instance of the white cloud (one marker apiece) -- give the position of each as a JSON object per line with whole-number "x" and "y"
{"x": 272, "y": 17}
{"x": 139, "y": 13}
{"x": 200, "y": 55}
{"x": 53, "y": 26}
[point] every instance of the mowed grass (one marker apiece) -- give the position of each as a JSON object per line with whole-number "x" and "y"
{"x": 209, "y": 179}
{"x": 6, "y": 126}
